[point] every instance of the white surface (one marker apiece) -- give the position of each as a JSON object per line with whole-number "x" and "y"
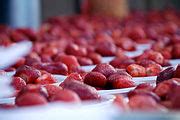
{"x": 115, "y": 91}
{"x": 59, "y": 112}
{"x": 174, "y": 61}
{"x": 5, "y": 88}
{"x": 88, "y": 68}
{"x": 60, "y": 78}
{"x": 144, "y": 46}
{"x": 139, "y": 80}
{"x": 107, "y": 59}
{"x": 134, "y": 53}
{"x": 11, "y": 55}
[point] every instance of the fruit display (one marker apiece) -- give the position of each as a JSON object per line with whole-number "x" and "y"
{"x": 64, "y": 45}
{"x": 70, "y": 91}
{"x": 150, "y": 63}
{"x": 71, "y": 41}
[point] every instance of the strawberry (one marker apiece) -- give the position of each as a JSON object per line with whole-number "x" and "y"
{"x": 125, "y": 43}
{"x": 156, "y": 57}
{"x": 95, "y": 79}
{"x": 121, "y": 103}
{"x": 176, "y": 51}
{"x": 73, "y": 49}
{"x": 120, "y": 81}
{"x": 121, "y": 63}
{"x": 69, "y": 60}
{"x": 65, "y": 96}
{"x": 46, "y": 78}
{"x": 143, "y": 92}
{"x": 135, "y": 32}
{"x": 32, "y": 88}
{"x": 105, "y": 69}
{"x": 136, "y": 70}
{"x": 153, "y": 70}
{"x": 84, "y": 91}
{"x": 95, "y": 57}
{"x": 19, "y": 63}
{"x": 75, "y": 76}
{"x": 30, "y": 99}
{"x": 27, "y": 73}
{"x": 83, "y": 61}
{"x": 54, "y": 68}
{"x": 144, "y": 103}
{"x": 18, "y": 83}
{"x": 162, "y": 89}
{"x": 145, "y": 86}
{"x": 106, "y": 48}
{"x": 52, "y": 90}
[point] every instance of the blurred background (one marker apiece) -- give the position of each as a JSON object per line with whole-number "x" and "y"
{"x": 30, "y": 13}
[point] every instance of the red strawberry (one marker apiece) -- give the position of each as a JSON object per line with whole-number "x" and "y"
{"x": 95, "y": 57}
{"x": 19, "y": 63}
{"x": 75, "y": 76}
{"x": 84, "y": 91}
{"x": 121, "y": 63}
{"x": 135, "y": 32}
{"x": 17, "y": 36}
{"x": 146, "y": 62}
{"x": 30, "y": 61}
{"x": 54, "y": 68}
{"x": 143, "y": 92}
{"x": 176, "y": 51}
{"x": 136, "y": 70}
{"x": 156, "y": 57}
{"x": 153, "y": 70}
{"x": 69, "y": 60}
{"x": 27, "y": 73}
{"x": 106, "y": 48}
{"x": 144, "y": 103}
{"x": 95, "y": 79}
{"x": 73, "y": 49}
{"x": 121, "y": 103}
{"x": 30, "y": 99}
{"x": 18, "y": 83}
{"x": 145, "y": 86}
{"x": 65, "y": 96}
{"x": 32, "y": 88}
{"x": 122, "y": 72}
{"x": 162, "y": 89}
{"x": 105, "y": 69}
{"x": 52, "y": 90}
{"x": 46, "y": 78}
{"x": 125, "y": 43}
{"x": 84, "y": 61}
{"x": 120, "y": 81}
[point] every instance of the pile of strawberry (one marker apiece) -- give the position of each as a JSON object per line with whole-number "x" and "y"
{"x": 105, "y": 76}
{"x": 70, "y": 91}
{"x": 145, "y": 97}
{"x": 148, "y": 64}
{"x": 73, "y": 41}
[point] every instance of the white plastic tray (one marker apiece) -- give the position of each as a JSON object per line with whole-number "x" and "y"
{"x": 116, "y": 91}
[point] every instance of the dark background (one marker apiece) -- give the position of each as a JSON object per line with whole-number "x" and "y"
{"x": 30, "y": 13}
